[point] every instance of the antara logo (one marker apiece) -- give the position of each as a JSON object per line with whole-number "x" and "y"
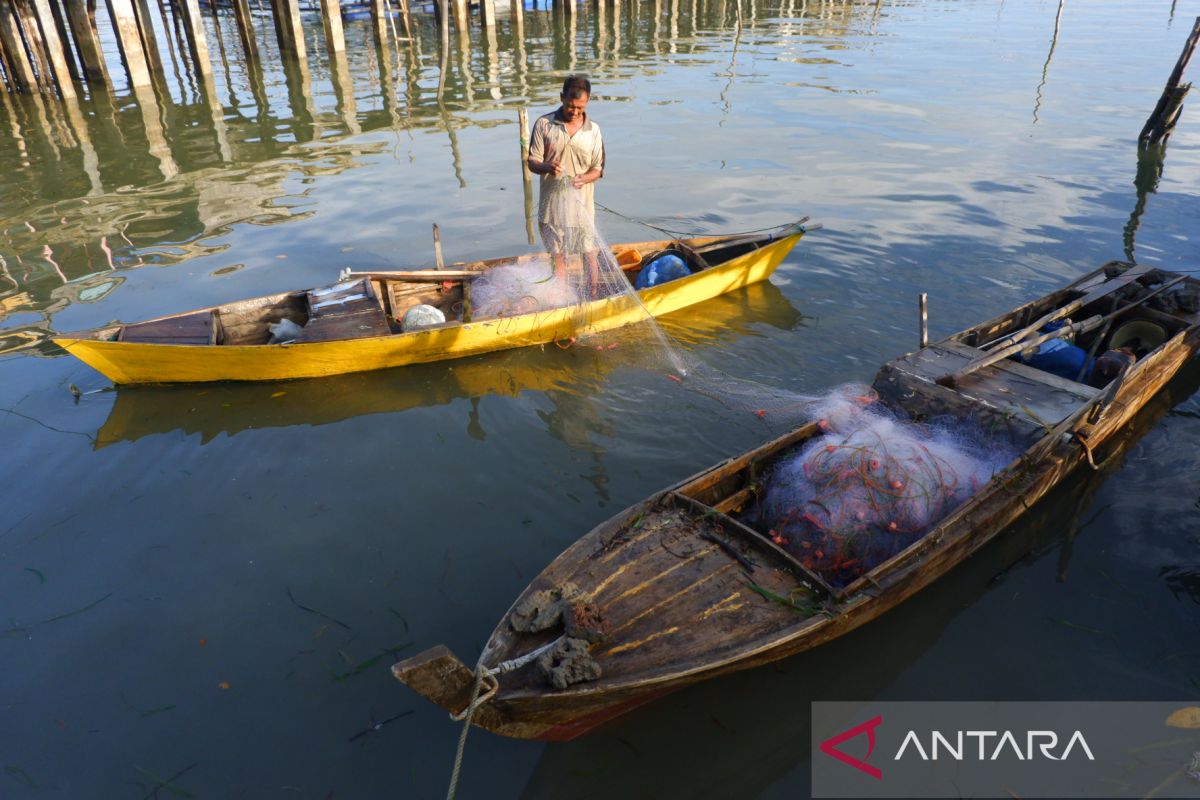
{"x": 829, "y": 747}
{"x": 990, "y": 746}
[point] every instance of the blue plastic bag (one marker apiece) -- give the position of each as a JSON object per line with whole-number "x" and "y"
{"x": 660, "y": 270}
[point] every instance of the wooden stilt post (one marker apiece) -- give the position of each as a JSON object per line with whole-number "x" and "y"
{"x": 149, "y": 37}
{"x": 87, "y": 42}
{"x": 460, "y": 16}
{"x": 22, "y": 75}
{"x": 35, "y": 47}
{"x": 60, "y": 25}
{"x": 54, "y": 47}
{"x": 245, "y": 26}
{"x": 379, "y": 23}
{"x": 193, "y": 26}
{"x": 289, "y": 27}
{"x": 128, "y": 38}
{"x": 487, "y": 13}
{"x": 1162, "y": 121}
{"x": 517, "y": 16}
{"x": 331, "y": 18}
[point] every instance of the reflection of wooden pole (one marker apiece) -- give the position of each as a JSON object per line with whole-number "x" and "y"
{"x": 129, "y": 39}
{"x": 155, "y": 137}
{"x": 343, "y": 89}
{"x": 22, "y": 74}
{"x": 331, "y": 18}
{"x": 245, "y": 26}
{"x": 487, "y": 13}
{"x": 1162, "y": 121}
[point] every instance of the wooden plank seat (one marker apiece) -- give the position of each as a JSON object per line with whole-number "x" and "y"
{"x": 1008, "y": 386}
{"x": 200, "y": 327}
{"x": 349, "y": 310}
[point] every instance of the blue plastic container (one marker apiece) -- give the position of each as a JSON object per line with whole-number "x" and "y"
{"x": 660, "y": 270}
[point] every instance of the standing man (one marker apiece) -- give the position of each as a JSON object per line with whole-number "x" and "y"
{"x": 566, "y": 149}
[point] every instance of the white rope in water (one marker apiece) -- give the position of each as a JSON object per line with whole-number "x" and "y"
{"x": 483, "y": 676}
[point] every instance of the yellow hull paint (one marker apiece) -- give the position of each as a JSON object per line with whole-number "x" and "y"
{"x": 135, "y": 362}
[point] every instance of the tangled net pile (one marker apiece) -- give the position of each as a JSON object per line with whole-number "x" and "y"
{"x": 871, "y": 485}
{"x": 521, "y": 288}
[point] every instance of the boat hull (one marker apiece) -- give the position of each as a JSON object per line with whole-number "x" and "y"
{"x": 136, "y": 362}
{"x": 523, "y": 709}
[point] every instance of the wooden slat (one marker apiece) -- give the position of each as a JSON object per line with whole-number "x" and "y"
{"x": 197, "y": 328}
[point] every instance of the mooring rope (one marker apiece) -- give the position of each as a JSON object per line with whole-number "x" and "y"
{"x": 484, "y": 676}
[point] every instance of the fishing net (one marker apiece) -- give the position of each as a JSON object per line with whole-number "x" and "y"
{"x": 870, "y": 485}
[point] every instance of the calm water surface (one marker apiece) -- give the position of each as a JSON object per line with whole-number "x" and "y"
{"x": 213, "y": 580}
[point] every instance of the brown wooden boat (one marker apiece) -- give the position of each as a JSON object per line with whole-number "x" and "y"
{"x": 680, "y": 588}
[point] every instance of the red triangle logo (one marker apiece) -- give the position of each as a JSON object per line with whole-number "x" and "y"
{"x": 829, "y": 747}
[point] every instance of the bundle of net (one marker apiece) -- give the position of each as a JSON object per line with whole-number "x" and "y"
{"x": 871, "y": 484}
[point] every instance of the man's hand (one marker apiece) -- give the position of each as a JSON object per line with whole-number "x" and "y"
{"x": 579, "y": 182}
{"x": 554, "y": 168}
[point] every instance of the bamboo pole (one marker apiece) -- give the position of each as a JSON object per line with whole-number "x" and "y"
{"x": 87, "y": 41}
{"x": 331, "y": 18}
{"x": 23, "y": 76}
{"x": 1170, "y": 104}
{"x": 245, "y": 27}
{"x": 437, "y": 248}
{"x": 129, "y": 39}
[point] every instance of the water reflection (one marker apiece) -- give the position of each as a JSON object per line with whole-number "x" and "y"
{"x": 132, "y": 169}
{"x": 569, "y": 378}
{"x": 740, "y": 734}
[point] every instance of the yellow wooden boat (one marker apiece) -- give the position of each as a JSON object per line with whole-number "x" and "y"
{"x": 354, "y": 326}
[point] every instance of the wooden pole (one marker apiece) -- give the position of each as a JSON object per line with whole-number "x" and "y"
{"x": 526, "y": 173}
{"x": 331, "y": 18}
{"x": 924, "y": 321}
{"x": 54, "y": 48}
{"x": 129, "y": 39}
{"x": 437, "y": 248}
{"x": 289, "y": 27}
{"x": 193, "y": 27}
{"x": 87, "y": 42}
{"x": 1162, "y": 121}
{"x": 460, "y": 16}
{"x": 149, "y": 37}
{"x": 517, "y": 14}
{"x": 379, "y": 23}
{"x": 60, "y": 25}
{"x": 487, "y": 13}
{"x": 23, "y": 77}
{"x": 35, "y": 46}
{"x": 245, "y": 26}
